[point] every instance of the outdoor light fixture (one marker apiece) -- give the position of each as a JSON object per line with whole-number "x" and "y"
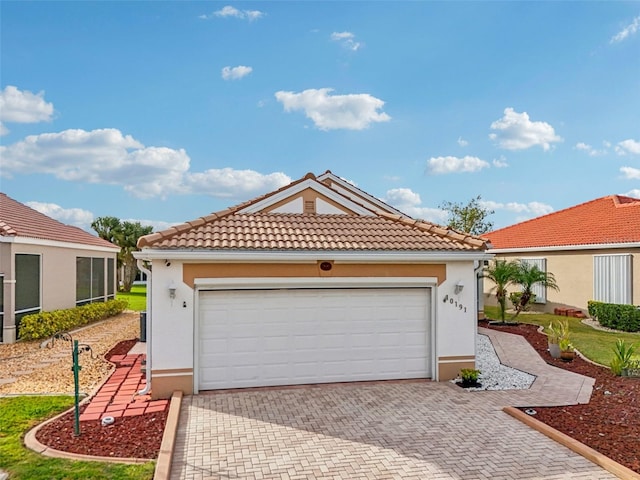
{"x": 458, "y": 288}
{"x": 172, "y": 290}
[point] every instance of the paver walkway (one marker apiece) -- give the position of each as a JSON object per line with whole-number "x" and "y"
{"x": 118, "y": 396}
{"x": 380, "y": 430}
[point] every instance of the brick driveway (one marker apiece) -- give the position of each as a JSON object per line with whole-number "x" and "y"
{"x": 382, "y": 430}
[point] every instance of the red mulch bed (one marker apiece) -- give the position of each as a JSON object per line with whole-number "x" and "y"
{"x": 131, "y": 437}
{"x": 610, "y": 422}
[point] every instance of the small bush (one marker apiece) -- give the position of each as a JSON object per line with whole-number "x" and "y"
{"x": 622, "y": 359}
{"x": 612, "y": 315}
{"x": 514, "y": 298}
{"x": 469, "y": 374}
{"x": 44, "y": 324}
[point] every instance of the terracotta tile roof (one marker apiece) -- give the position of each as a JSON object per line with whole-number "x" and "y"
{"x": 18, "y": 220}
{"x": 228, "y": 230}
{"x": 606, "y": 220}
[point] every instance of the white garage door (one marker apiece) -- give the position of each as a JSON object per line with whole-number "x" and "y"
{"x": 253, "y": 338}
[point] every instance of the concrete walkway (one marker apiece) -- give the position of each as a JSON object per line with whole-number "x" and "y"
{"x": 382, "y": 430}
{"x": 553, "y": 386}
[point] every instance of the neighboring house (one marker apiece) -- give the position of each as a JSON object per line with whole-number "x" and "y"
{"x": 316, "y": 282}
{"x": 592, "y": 249}
{"x": 47, "y": 265}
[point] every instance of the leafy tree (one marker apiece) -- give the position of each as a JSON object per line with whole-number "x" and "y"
{"x": 502, "y": 273}
{"x": 470, "y": 218}
{"x": 125, "y": 235}
{"x": 527, "y": 275}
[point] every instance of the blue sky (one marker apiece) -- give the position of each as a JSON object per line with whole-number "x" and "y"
{"x": 166, "y": 111}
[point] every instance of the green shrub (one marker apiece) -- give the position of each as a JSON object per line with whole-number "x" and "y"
{"x": 612, "y": 315}
{"x": 469, "y": 374}
{"x": 622, "y": 359}
{"x": 514, "y": 298}
{"x": 45, "y": 324}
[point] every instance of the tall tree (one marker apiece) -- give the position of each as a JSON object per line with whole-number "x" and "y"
{"x": 470, "y": 218}
{"x": 502, "y": 273}
{"x": 125, "y": 235}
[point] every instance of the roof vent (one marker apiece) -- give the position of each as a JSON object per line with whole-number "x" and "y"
{"x": 309, "y": 206}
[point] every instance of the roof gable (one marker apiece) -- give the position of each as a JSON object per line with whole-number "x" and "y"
{"x": 253, "y": 226}
{"x": 295, "y": 189}
{"x": 614, "y": 219}
{"x": 20, "y": 221}
{"x": 354, "y": 193}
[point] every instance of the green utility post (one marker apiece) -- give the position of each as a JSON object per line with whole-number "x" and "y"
{"x": 76, "y": 383}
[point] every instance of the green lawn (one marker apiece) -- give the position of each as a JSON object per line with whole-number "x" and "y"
{"x": 594, "y": 344}
{"x": 19, "y": 414}
{"x": 137, "y": 298}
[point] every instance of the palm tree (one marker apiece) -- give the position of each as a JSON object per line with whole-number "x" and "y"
{"x": 527, "y": 275}
{"x": 502, "y": 273}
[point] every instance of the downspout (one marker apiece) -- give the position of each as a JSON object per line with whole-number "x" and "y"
{"x": 476, "y": 271}
{"x": 147, "y": 271}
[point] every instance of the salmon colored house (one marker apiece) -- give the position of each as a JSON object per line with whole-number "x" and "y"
{"x": 592, "y": 249}
{"x": 316, "y": 282}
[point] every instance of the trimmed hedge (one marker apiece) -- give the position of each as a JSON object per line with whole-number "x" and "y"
{"x": 612, "y": 315}
{"x": 45, "y": 324}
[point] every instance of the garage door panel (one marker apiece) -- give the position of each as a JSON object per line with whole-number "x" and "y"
{"x": 281, "y": 337}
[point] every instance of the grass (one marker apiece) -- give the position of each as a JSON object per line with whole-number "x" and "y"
{"x": 137, "y": 298}
{"x": 596, "y": 345}
{"x": 19, "y": 414}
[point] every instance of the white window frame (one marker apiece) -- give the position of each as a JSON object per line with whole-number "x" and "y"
{"x": 612, "y": 278}
{"x": 538, "y": 289}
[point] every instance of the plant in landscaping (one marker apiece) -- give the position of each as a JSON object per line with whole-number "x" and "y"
{"x": 622, "y": 359}
{"x": 616, "y": 316}
{"x": 502, "y": 273}
{"x": 527, "y": 275}
{"x": 515, "y": 298}
{"x": 469, "y": 375}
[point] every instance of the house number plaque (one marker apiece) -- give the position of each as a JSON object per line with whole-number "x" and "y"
{"x": 454, "y": 303}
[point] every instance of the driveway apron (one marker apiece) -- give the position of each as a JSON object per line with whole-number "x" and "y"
{"x": 380, "y": 430}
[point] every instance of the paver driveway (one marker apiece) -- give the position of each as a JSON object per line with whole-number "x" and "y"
{"x": 383, "y": 430}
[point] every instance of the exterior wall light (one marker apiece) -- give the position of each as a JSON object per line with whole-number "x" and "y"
{"x": 458, "y": 288}
{"x": 172, "y": 290}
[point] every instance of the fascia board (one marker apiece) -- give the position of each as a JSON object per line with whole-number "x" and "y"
{"x": 360, "y": 193}
{"x": 17, "y": 240}
{"x": 560, "y": 248}
{"x": 318, "y": 187}
{"x": 309, "y": 256}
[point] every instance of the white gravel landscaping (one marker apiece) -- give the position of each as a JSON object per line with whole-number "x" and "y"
{"x": 494, "y": 375}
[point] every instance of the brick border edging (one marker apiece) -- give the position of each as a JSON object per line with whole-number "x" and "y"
{"x": 580, "y": 448}
{"x": 163, "y": 463}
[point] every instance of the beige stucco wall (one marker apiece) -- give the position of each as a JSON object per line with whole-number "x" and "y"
{"x": 57, "y": 276}
{"x": 573, "y": 271}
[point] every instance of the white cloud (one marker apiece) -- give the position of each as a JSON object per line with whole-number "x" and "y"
{"x": 230, "y": 183}
{"x": 462, "y": 142}
{"x": 627, "y": 31}
{"x": 592, "y": 152}
{"x": 630, "y": 173}
{"x": 534, "y": 208}
{"x": 515, "y": 131}
{"x": 409, "y": 202}
{"x": 628, "y": 146}
{"x": 70, "y": 216}
{"x": 442, "y": 165}
{"x": 17, "y": 106}
{"x": 500, "y": 162}
{"x": 635, "y": 193}
{"x": 347, "y": 40}
{"x": 235, "y": 73}
{"x": 231, "y": 12}
{"x": 107, "y": 156}
{"x": 329, "y": 112}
